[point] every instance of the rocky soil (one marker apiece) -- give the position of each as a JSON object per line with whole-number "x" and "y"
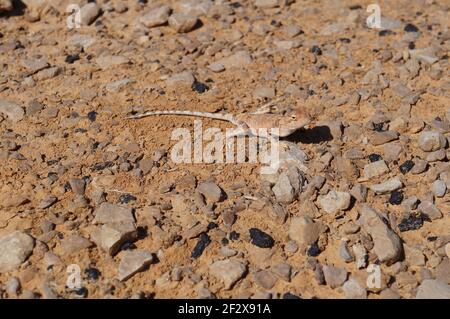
{"x": 83, "y": 191}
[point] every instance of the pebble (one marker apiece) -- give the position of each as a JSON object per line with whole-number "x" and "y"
{"x": 109, "y": 61}
{"x": 112, "y": 236}
{"x": 396, "y": 198}
{"x": 375, "y": 169}
{"x": 13, "y": 111}
{"x": 202, "y": 243}
{"x": 183, "y": 79}
{"x": 410, "y": 223}
{"x": 264, "y": 279}
{"x": 433, "y": 289}
{"x": 240, "y": 59}
{"x": 182, "y": 23}
{"x": 387, "y": 244}
{"x": 430, "y": 210}
{"x": 345, "y": 253}
{"x": 211, "y": 191}
{"x": 89, "y": 12}
{"x": 110, "y": 213}
{"x": 74, "y": 243}
{"x": 283, "y": 190}
{"x": 77, "y": 185}
{"x": 439, "y": 188}
{"x": 156, "y": 17}
{"x": 335, "y": 201}
{"x": 406, "y": 166}
{"x": 229, "y": 271}
{"x": 380, "y": 138}
{"x": 132, "y": 262}
{"x": 390, "y": 185}
{"x": 267, "y": 4}
{"x": 354, "y": 290}
{"x": 47, "y": 201}
{"x": 14, "y": 250}
{"x": 334, "y": 276}
{"x": 12, "y": 286}
{"x": 305, "y": 231}
{"x": 260, "y": 238}
{"x": 430, "y": 141}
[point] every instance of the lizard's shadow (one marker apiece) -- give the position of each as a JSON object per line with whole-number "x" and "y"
{"x": 314, "y": 135}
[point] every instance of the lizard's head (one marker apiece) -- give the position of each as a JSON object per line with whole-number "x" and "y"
{"x": 294, "y": 120}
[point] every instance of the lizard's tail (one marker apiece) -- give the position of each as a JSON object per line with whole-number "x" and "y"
{"x": 217, "y": 116}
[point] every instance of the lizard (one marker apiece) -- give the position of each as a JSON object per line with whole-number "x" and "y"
{"x": 248, "y": 123}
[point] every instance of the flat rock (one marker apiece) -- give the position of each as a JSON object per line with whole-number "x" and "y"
{"x": 439, "y": 188}
{"x": 334, "y": 276}
{"x": 13, "y": 111}
{"x": 89, "y": 12}
{"x": 74, "y": 243}
{"x": 211, "y": 191}
{"x": 379, "y": 138}
{"x": 429, "y": 209}
{"x": 283, "y": 190}
{"x": 111, "y": 213}
{"x": 334, "y": 201}
{"x": 14, "y": 250}
{"x": 239, "y": 59}
{"x": 111, "y": 237}
{"x": 35, "y": 65}
{"x": 156, "y": 17}
{"x": 132, "y": 262}
{"x": 228, "y": 271}
{"x": 431, "y": 141}
{"x": 109, "y": 61}
{"x": 433, "y": 289}
{"x": 354, "y": 290}
{"x": 266, "y": 4}
{"x": 264, "y": 279}
{"x": 183, "y": 79}
{"x": 387, "y": 244}
{"x": 388, "y": 186}
{"x": 305, "y": 231}
{"x": 182, "y": 23}
{"x": 375, "y": 169}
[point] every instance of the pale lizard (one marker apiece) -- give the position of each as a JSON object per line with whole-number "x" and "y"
{"x": 248, "y": 122}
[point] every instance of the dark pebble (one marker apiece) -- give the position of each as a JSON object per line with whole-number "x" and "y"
{"x": 199, "y": 87}
{"x": 411, "y": 46}
{"x": 102, "y": 166}
{"x": 432, "y": 238}
{"x": 378, "y": 127}
{"x": 234, "y": 235}
{"x": 225, "y": 241}
{"x": 260, "y": 238}
{"x": 313, "y": 250}
{"x": 71, "y": 58}
{"x": 212, "y": 225}
{"x": 92, "y": 273}
{"x": 383, "y": 33}
{"x": 202, "y": 243}
{"x": 396, "y": 198}
{"x": 289, "y": 295}
{"x": 411, "y": 28}
{"x": 125, "y": 198}
{"x": 92, "y": 116}
{"x": 375, "y": 157}
{"x": 316, "y": 50}
{"x": 410, "y": 223}
{"x": 81, "y": 292}
{"x": 406, "y": 166}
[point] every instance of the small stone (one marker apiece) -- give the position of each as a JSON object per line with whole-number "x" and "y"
{"x": 419, "y": 166}
{"x": 156, "y": 17}
{"x": 110, "y": 61}
{"x": 264, "y": 92}
{"x": 360, "y": 255}
{"x": 239, "y": 59}
{"x": 14, "y": 250}
{"x": 334, "y": 276}
{"x": 353, "y": 290}
{"x": 380, "y": 138}
{"x": 182, "y": 23}
{"x": 390, "y": 185}
{"x": 375, "y": 157}
{"x": 410, "y": 223}
{"x": 132, "y": 262}
{"x": 359, "y": 192}
{"x": 260, "y": 238}
{"x": 264, "y": 279}
{"x": 74, "y": 244}
{"x": 345, "y": 253}
{"x": 335, "y": 201}
{"x": 89, "y": 12}
{"x": 410, "y": 28}
{"x": 305, "y": 231}
{"x": 375, "y": 169}
{"x": 439, "y": 188}
{"x": 396, "y": 198}
{"x": 202, "y": 243}
{"x": 77, "y": 185}
{"x": 267, "y": 4}
{"x": 430, "y": 210}
{"x": 183, "y": 79}
{"x": 92, "y": 274}
{"x": 111, "y": 237}
{"x": 35, "y": 65}
{"x": 13, "y": 111}
{"x": 47, "y": 201}
{"x": 110, "y": 213}
{"x": 283, "y": 190}
{"x": 199, "y": 87}
{"x": 430, "y": 141}
{"x": 387, "y": 245}
{"x": 12, "y": 286}
{"x": 433, "y": 289}
{"x": 414, "y": 256}
{"x": 313, "y": 250}
{"x": 228, "y": 271}
{"x": 283, "y": 271}
{"x": 216, "y": 67}
{"x": 406, "y": 166}
{"x": 211, "y": 191}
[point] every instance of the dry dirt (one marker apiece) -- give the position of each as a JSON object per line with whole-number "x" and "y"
{"x": 369, "y": 92}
